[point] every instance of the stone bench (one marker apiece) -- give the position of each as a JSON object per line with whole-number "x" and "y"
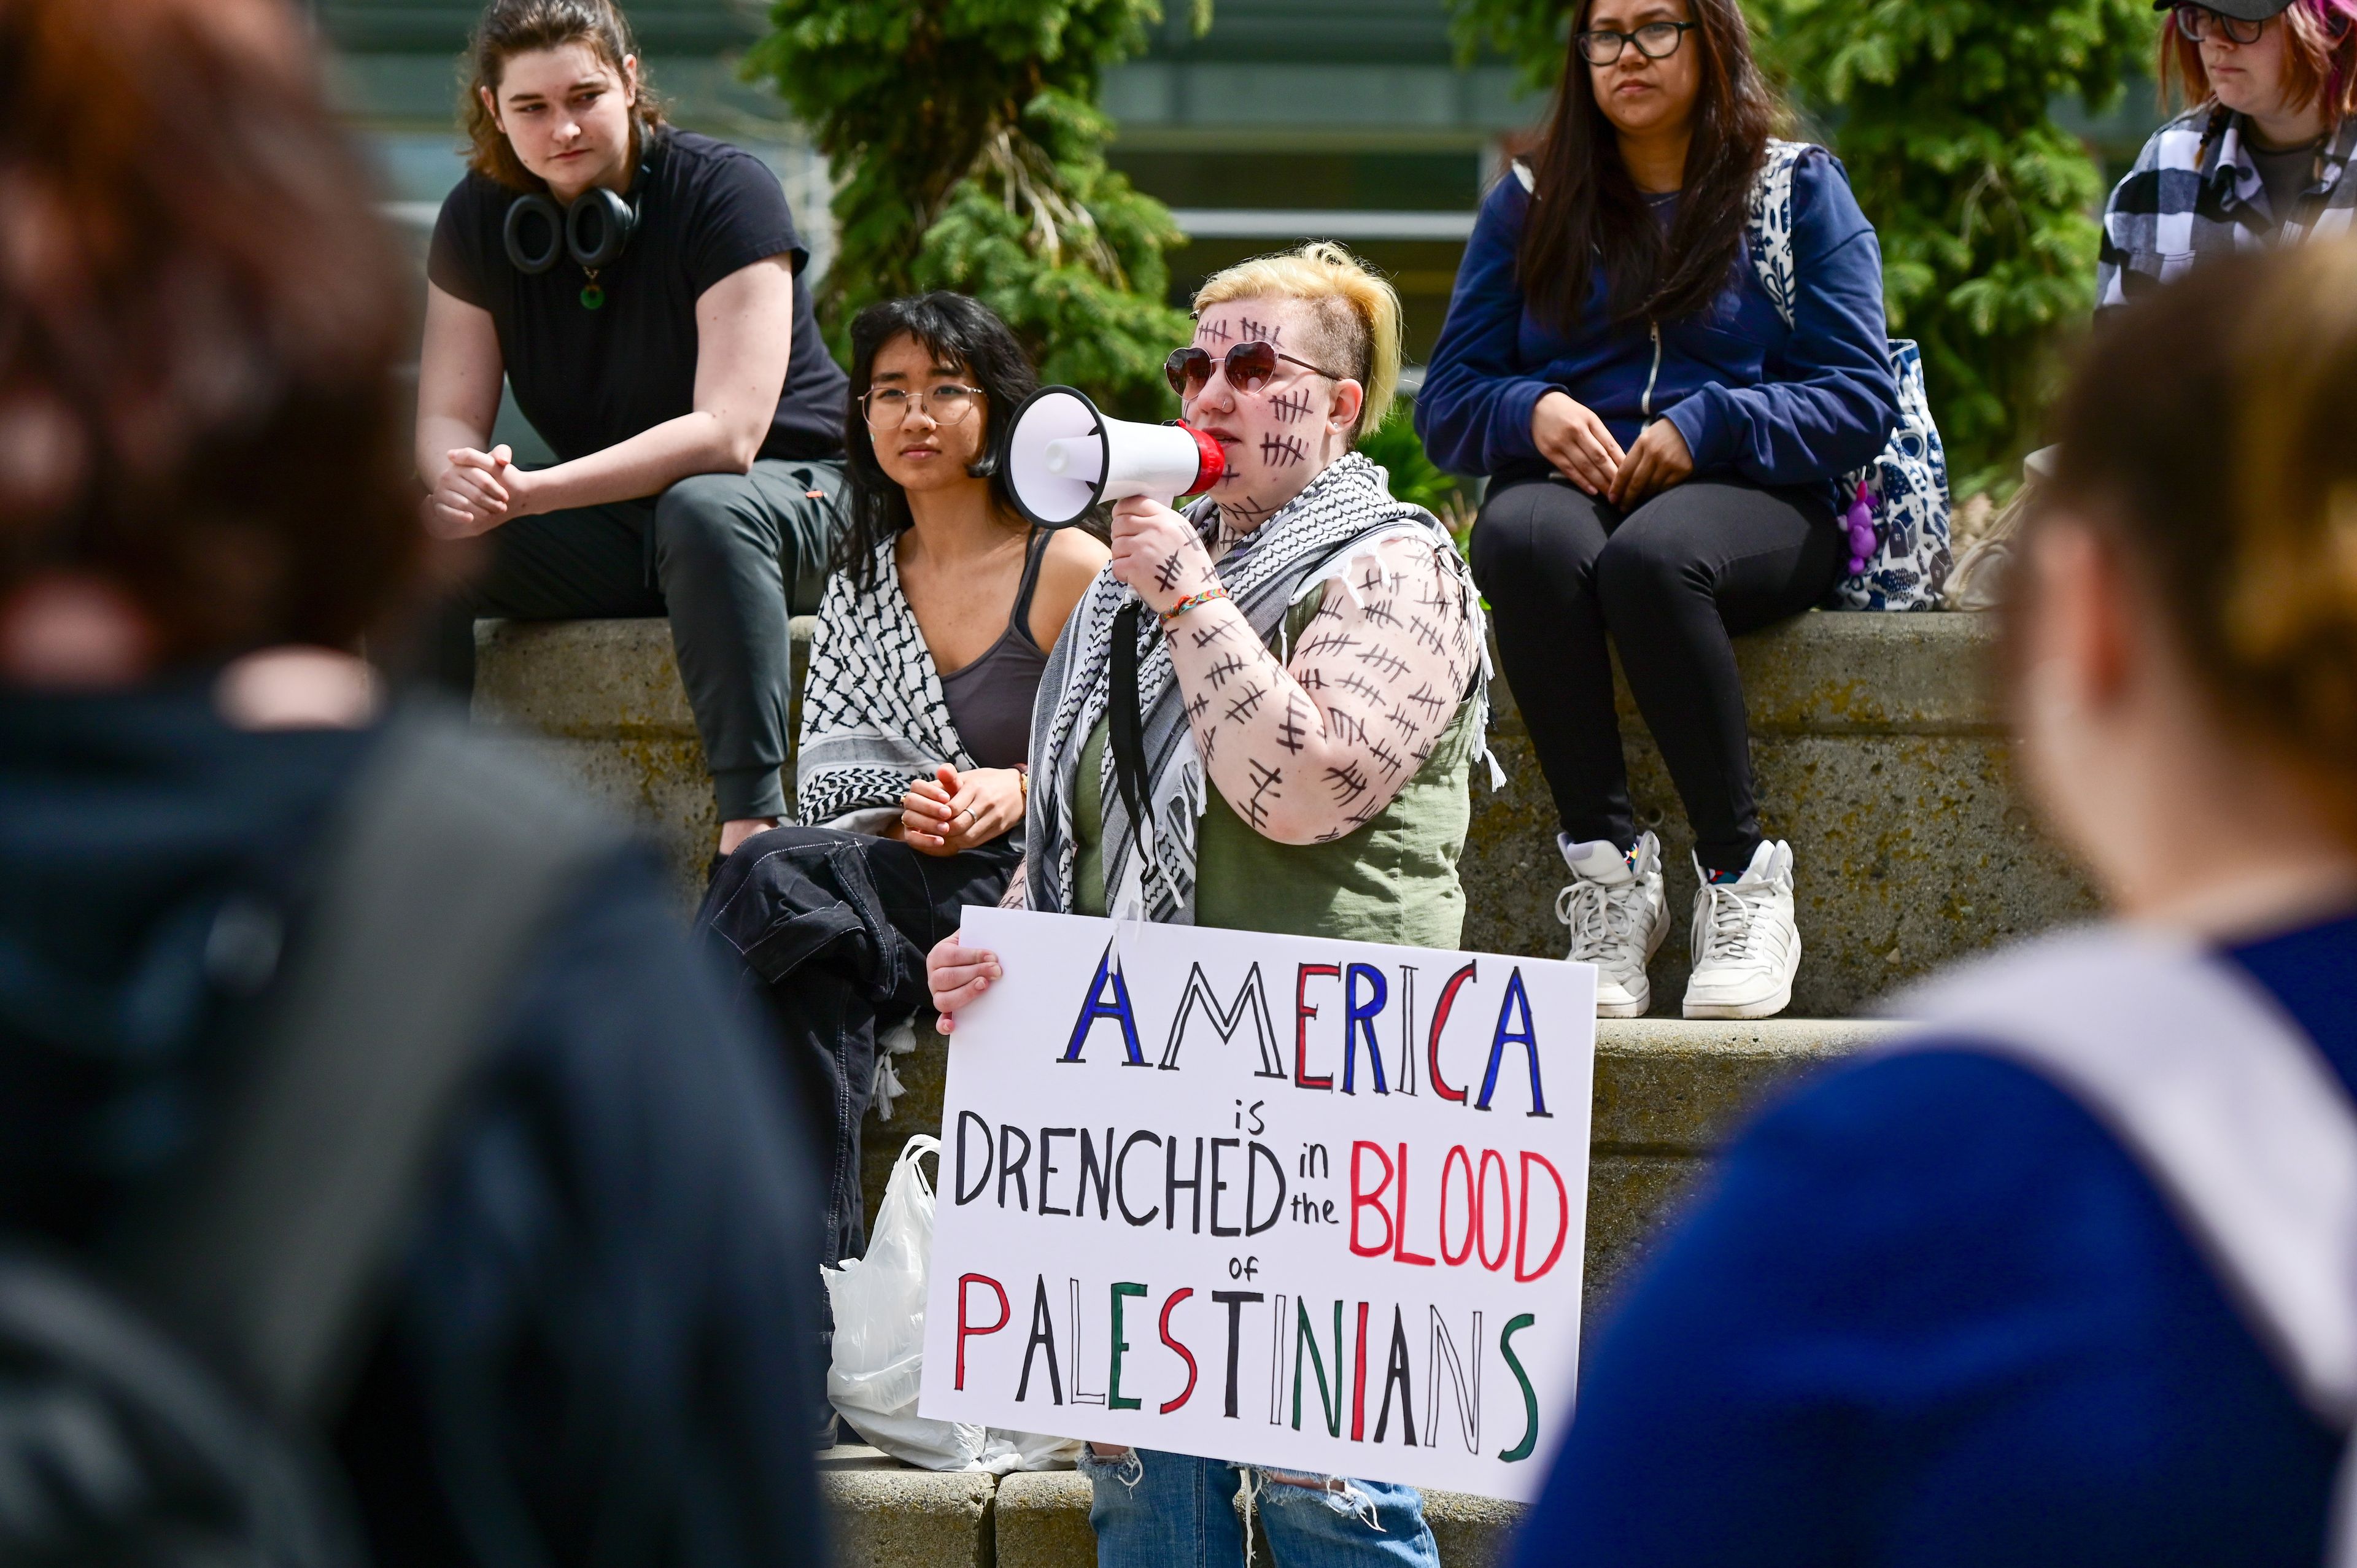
{"x": 1876, "y": 745}
{"x": 885, "y": 1516}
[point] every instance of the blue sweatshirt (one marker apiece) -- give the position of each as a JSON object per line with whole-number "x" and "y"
{"x": 1753, "y": 400}
{"x": 1934, "y": 1313}
{"x": 601, "y": 1348}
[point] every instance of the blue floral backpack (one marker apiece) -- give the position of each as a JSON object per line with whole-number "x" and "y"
{"x": 1897, "y": 506}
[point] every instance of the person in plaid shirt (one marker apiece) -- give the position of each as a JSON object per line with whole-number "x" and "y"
{"x": 2261, "y": 156}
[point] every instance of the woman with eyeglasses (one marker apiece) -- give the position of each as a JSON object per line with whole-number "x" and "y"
{"x": 2261, "y": 156}
{"x": 1311, "y": 702}
{"x": 1662, "y": 435}
{"x": 916, "y": 715}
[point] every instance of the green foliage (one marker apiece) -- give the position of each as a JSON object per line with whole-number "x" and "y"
{"x": 1985, "y": 207}
{"x": 967, "y": 155}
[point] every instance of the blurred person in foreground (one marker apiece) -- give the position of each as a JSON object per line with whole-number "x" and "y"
{"x": 2014, "y": 1289}
{"x": 592, "y": 1346}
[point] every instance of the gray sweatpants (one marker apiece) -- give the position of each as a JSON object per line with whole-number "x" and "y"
{"x": 727, "y": 557}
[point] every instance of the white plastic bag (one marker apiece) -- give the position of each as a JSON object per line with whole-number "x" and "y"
{"x": 880, "y": 1342}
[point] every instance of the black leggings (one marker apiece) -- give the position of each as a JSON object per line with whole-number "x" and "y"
{"x": 1671, "y": 582}
{"x": 727, "y": 556}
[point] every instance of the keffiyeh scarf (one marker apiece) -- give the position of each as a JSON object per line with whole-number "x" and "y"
{"x": 874, "y": 719}
{"x": 1344, "y": 512}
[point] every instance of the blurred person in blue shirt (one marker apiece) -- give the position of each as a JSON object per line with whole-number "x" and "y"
{"x": 594, "y": 1347}
{"x": 1959, "y": 1303}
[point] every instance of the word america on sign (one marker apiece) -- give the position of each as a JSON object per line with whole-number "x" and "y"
{"x": 1314, "y": 1205}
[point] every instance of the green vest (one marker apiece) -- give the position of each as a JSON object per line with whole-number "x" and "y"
{"x": 1391, "y": 880}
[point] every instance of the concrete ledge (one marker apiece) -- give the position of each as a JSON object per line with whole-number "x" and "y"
{"x": 1669, "y": 1085}
{"x": 604, "y": 700}
{"x": 1669, "y": 1094}
{"x": 1472, "y": 1533}
{"x": 898, "y": 1517}
{"x": 1043, "y": 1521}
{"x": 1876, "y": 751}
{"x": 1040, "y": 1519}
{"x": 1866, "y": 674}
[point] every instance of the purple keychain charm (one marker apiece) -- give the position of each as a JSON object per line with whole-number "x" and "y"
{"x": 1861, "y": 531}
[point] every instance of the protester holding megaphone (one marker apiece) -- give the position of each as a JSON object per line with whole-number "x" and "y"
{"x": 1289, "y": 680}
{"x": 636, "y": 285}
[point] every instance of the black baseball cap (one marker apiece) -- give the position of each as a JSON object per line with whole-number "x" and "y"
{"x": 2240, "y": 10}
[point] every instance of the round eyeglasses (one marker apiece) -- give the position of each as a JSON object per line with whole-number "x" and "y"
{"x": 946, "y": 404}
{"x": 1249, "y": 366}
{"x": 2199, "y": 24}
{"x": 1654, "y": 40}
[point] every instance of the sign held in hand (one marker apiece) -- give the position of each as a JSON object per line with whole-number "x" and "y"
{"x": 1314, "y": 1205}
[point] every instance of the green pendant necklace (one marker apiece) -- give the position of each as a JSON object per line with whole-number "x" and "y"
{"x": 592, "y": 297}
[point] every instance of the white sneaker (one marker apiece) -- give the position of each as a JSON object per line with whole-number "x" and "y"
{"x": 1618, "y": 915}
{"x": 1746, "y": 948}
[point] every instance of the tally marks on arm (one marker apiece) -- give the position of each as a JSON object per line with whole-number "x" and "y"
{"x": 1386, "y": 660}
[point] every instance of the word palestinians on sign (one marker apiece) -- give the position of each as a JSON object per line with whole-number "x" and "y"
{"x": 1346, "y": 1262}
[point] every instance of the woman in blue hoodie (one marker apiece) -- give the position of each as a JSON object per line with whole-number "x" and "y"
{"x": 1661, "y": 447}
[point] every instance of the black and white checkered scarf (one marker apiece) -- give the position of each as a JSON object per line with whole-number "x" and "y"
{"x": 2196, "y": 192}
{"x": 874, "y": 719}
{"x": 1343, "y": 513}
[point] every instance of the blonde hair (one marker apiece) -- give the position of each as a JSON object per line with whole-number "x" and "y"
{"x": 2208, "y": 423}
{"x": 1357, "y": 312}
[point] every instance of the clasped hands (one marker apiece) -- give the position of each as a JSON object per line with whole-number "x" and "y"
{"x": 478, "y": 491}
{"x": 1581, "y": 446}
{"x": 954, "y": 811}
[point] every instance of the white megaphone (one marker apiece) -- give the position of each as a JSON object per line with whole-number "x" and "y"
{"x": 1065, "y": 457}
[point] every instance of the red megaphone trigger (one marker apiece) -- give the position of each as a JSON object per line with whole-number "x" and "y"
{"x": 1211, "y": 464}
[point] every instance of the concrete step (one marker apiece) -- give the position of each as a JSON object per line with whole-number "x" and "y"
{"x": 886, "y": 1515}
{"x": 1877, "y": 752}
{"x": 1874, "y": 744}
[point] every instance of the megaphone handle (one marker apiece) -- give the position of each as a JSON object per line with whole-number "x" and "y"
{"x": 1123, "y": 724}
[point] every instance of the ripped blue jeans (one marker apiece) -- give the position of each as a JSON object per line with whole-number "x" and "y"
{"x": 1152, "y": 1510}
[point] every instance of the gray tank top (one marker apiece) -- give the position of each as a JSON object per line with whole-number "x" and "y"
{"x": 990, "y": 699}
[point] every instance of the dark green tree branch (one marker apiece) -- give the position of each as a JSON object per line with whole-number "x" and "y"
{"x": 968, "y": 154}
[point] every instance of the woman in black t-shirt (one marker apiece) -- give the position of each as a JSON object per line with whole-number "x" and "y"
{"x": 681, "y": 381}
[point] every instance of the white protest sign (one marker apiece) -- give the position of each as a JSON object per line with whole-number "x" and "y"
{"x": 1311, "y": 1205}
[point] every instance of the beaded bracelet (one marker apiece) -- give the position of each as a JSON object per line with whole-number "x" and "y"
{"x": 1216, "y": 591}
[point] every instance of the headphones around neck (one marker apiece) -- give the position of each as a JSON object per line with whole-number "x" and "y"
{"x": 595, "y": 231}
